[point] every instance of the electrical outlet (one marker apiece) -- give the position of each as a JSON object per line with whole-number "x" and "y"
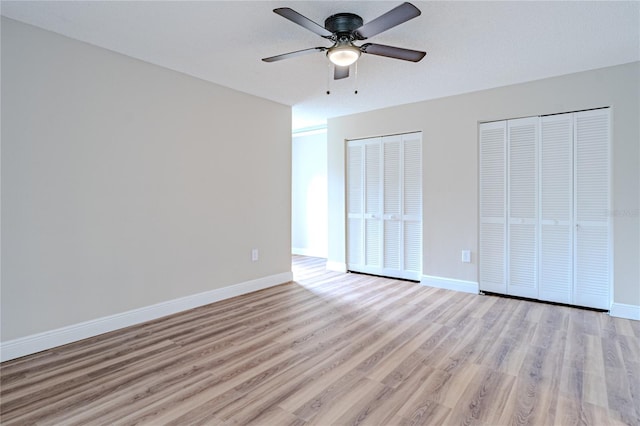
{"x": 254, "y": 255}
{"x": 466, "y": 256}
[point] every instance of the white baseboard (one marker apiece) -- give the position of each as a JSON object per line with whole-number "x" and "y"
{"x": 336, "y": 266}
{"x": 450, "y": 284}
{"x": 49, "y": 339}
{"x": 622, "y": 310}
{"x": 303, "y": 251}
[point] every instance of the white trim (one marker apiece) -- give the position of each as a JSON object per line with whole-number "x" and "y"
{"x": 622, "y": 310}
{"x": 336, "y": 266}
{"x": 49, "y": 339}
{"x": 308, "y": 131}
{"x": 450, "y": 284}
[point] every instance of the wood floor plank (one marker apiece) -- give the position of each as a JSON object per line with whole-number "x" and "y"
{"x": 394, "y": 398}
{"x": 571, "y": 412}
{"x": 421, "y": 407}
{"x": 594, "y": 389}
{"x": 354, "y": 410}
{"x": 484, "y": 400}
{"x": 400, "y": 353}
{"x": 334, "y": 348}
{"x": 328, "y": 396}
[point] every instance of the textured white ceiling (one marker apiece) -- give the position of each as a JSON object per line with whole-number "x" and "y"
{"x": 470, "y": 45}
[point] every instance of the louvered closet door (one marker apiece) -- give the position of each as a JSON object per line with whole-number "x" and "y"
{"x": 392, "y": 213}
{"x": 412, "y": 205}
{"x": 592, "y": 187}
{"x": 522, "y": 206}
{"x": 554, "y": 243}
{"x": 556, "y": 209}
{"x": 373, "y": 200}
{"x": 402, "y": 211}
{"x": 493, "y": 206}
{"x": 384, "y": 233}
{"x": 355, "y": 205}
{"x": 364, "y": 201}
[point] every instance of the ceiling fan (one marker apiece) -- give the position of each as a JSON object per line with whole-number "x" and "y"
{"x": 343, "y": 29}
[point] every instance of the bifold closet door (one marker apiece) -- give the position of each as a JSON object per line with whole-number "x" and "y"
{"x": 522, "y": 207}
{"x": 372, "y": 203}
{"x": 384, "y": 206}
{"x": 556, "y": 208}
{"x": 493, "y": 206}
{"x": 592, "y": 209}
{"x": 402, "y": 206}
{"x": 355, "y": 204}
{"x": 392, "y": 209}
{"x": 554, "y": 241}
{"x": 364, "y": 197}
{"x": 412, "y": 205}
{"x": 509, "y": 207}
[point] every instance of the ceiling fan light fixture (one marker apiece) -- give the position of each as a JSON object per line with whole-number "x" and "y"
{"x": 343, "y": 29}
{"x": 343, "y": 55}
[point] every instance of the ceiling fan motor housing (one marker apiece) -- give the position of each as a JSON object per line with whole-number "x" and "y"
{"x": 343, "y": 24}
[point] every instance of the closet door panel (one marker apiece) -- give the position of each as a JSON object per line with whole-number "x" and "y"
{"x": 373, "y": 242}
{"x": 556, "y": 208}
{"x": 556, "y": 264}
{"x": 355, "y": 244}
{"x": 392, "y": 175}
{"x": 355, "y": 205}
{"x": 373, "y": 200}
{"x": 592, "y": 167}
{"x": 522, "y": 255}
{"x": 492, "y": 258}
{"x": 412, "y": 162}
{"x": 392, "y": 247}
{"x": 412, "y": 204}
{"x": 412, "y": 249}
{"x": 393, "y": 256}
{"x": 492, "y": 250}
{"x": 522, "y": 205}
{"x": 592, "y": 267}
{"x": 592, "y": 189}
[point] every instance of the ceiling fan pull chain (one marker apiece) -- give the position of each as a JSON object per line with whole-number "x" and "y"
{"x": 356, "y": 78}
{"x": 329, "y": 78}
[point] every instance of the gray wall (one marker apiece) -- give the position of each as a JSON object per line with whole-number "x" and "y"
{"x": 125, "y": 184}
{"x": 450, "y": 164}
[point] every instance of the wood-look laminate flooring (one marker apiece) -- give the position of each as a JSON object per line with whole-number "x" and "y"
{"x": 336, "y": 348}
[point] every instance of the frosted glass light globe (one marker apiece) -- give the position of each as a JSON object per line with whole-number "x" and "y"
{"x": 343, "y": 56}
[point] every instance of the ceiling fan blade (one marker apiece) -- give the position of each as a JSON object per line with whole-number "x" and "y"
{"x": 395, "y": 16}
{"x": 393, "y": 52}
{"x": 294, "y": 54}
{"x": 303, "y": 21}
{"x": 340, "y": 72}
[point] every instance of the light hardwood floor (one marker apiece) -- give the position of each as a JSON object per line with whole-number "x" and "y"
{"x": 341, "y": 349}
